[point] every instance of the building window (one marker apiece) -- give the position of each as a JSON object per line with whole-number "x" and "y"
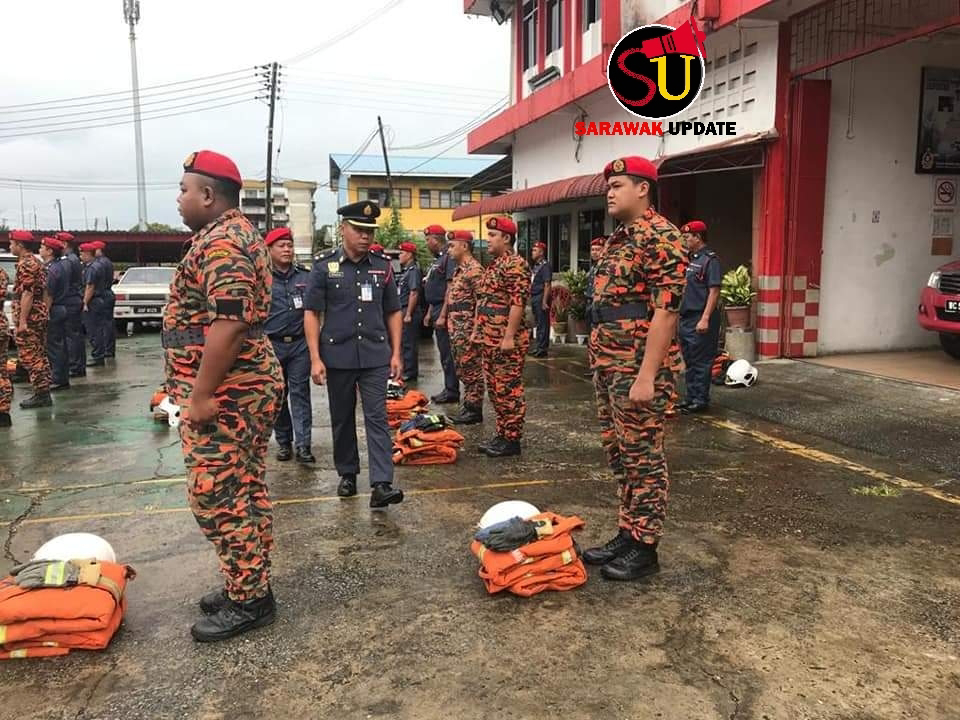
{"x": 529, "y": 35}
{"x": 380, "y": 195}
{"x": 591, "y": 13}
{"x": 487, "y": 194}
{"x": 554, "y": 25}
{"x": 438, "y": 199}
{"x": 461, "y": 198}
{"x": 590, "y": 226}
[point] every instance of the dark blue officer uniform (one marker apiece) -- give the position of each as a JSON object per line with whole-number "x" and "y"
{"x": 699, "y": 349}
{"x": 93, "y": 317}
{"x": 410, "y": 279}
{"x": 76, "y": 348}
{"x": 107, "y": 326}
{"x": 284, "y": 327}
{"x": 434, "y": 293}
{"x": 542, "y": 276}
{"x": 58, "y": 286}
{"x": 355, "y": 299}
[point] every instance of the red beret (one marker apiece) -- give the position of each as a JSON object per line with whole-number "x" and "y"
{"x": 64, "y": 237}
{"x": 694, "y": 226}
{"x": 278, "y": 234}
{"x": 21, "y": 235}
{"x": 214, "y": 165}
{"x": 408, "y": 247}
{"x": 87, "y": 247}
{"x": 465, "y": 235}
{"x": 598, "y": 242}
{"x": 52, "y": 243}
{"x": 376, "y": 247}
{"x": 633, "y": 165}
{"x": 97, "y": 244}
{"x": 434, "y": 230}
{"x": 503, "y": 224}
{"x": 541, "y": 245}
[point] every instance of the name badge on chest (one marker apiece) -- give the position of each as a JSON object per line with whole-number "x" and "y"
{"x": 297, "y": 302}
{"x": 366, "y": 292}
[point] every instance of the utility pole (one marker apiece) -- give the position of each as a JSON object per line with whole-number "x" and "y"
{"x": 35, "y": 226}
{"x": 273, "y": 104}
{"x": 131, "y": 14}
{"x": 86, "y": 222}
{"x": 60, "y": 212}
{"x": 107, "y": 220}
{"x": 386, "y": 164}
{"x": 23, "y": 218}
{"x": 96, "y": 224}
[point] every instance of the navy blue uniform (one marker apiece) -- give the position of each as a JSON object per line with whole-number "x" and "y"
{"x": 108, "y": 327}
{"x": 93, "y": 317}
{"x": 410, "y": 279}
{"x": 699, "y": 349}
{"x": 284, "y": 327}
{"x": 542, "y": 276}
{"x": 76, "y": 348}
{"x": 588, "y": 294}
{"x": 58, "y": 287}
{"x": 434, "y": 292}
{"x": 355, "y": 299}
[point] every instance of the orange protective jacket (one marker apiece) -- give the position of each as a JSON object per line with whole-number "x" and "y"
{"x": 402, "y": 409}
{"x": 45, "y": 621}
{"x": 550, "y": 563}
{"x": 415, "y": 447}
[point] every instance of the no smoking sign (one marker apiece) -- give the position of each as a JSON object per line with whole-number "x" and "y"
{"x": 945, "y": 192}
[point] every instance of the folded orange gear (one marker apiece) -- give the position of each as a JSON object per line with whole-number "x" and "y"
{"x": 402, "y": 409}
{"x": 46, "y": 621}
{"x": 550, "y": 563}
{"x": 416, "y": 447}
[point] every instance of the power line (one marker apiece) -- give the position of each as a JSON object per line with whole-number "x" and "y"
{"x": 381, "y": 106}
{"x": 330, "y": 42}
{"x": 341, "y": 82}
{"x": 458, "y": 132}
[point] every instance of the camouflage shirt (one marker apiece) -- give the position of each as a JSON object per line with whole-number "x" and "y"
{"x": 463, "y": 293}
{"x": 505, "y": 283}
{"x": 31, "y": 277}
{"x": 642, "y": 264}
{"x": 4, "y": 281}
{"x": 225, "y": 275}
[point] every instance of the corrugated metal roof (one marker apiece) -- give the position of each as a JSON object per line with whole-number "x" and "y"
{"x": 408, "y": 165}
{"x": 549, "y": 193}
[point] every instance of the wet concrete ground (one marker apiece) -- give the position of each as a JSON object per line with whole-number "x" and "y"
{"x": 792, "y": 587}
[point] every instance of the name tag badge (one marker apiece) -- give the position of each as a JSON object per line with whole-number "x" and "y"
{"x": 297, "y": 302}
{"x": 366, "y": 292}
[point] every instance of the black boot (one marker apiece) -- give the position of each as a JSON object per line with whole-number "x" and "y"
{"x": 445, "y": 398}
{"x": 37, "y": 401}
{"x": 639, "y": 561}
{"x": 285, "y": 452}
{"x": 694, "y": 408}
{"x": 609, "y": 552}
{"x": 469, "y": 415}
{"x": 213, "y": 602}
{"x": 505, "y": 448}
{"x": 487, "y": 444}
{"x": 5, "y": 420}
{"x": 385, "y": 494}
{"x": 97, "y": 363}
{"x": 347, "y": 486}
{"x": 304, "y": 456}
{"x": 59, "y": 386}
{"x": 234, "y": 618}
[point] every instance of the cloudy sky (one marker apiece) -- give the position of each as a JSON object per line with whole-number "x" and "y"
{"x": 423, "y": 65}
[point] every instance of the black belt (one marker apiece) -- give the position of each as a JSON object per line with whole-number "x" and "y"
{"x": 196, "y": 335}
{"x": 460, "y": 307}
{"x": 494, "y": 311}
{"x": 285, "y": 338}
{"x": 612, "y": 313}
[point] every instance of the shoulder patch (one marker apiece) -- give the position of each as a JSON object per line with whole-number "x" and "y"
{"x": 215, "y": 254}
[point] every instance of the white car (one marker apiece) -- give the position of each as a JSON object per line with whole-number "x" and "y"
{"x": 141, "y": 295}
{"x": 9, "y": 264}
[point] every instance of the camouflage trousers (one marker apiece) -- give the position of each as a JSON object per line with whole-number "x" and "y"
{"x": 468, "y": 358}
{"x": 675, "y": 360}
{"x": 226, "y": 484}
{"x": 633, "y": 442}
{"x": 6, "y": 387}
{"x": 503, "y": 372}
{"x": 32, "y": 349}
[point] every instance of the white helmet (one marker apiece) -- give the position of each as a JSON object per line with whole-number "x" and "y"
{"x": 741, "y": 373}
{"x": 76, "y": 546}
{"x": 503, "y": 511}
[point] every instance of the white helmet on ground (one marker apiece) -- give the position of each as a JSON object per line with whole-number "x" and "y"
{"x": 741, "y": 373}
{"x": 76, "y": 546}
{"x": 503, "y": 511}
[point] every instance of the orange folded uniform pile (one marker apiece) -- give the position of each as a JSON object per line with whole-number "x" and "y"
{"x": 549, "y": 563}
{"x": 155, "y": 400}
{"x": 438, "y": 445}
{"x": 401, "y": 409}
{"x": 52, "y": 607}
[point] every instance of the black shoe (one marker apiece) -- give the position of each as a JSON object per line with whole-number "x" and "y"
{"x": 505, "y": 448}
{"x": 588, "y": 373}
{"x": 469, "y": 415}
{"x": 59, "y": 386}
{"x": 484, "y": 446}
{"x": 445, "y": 398}
{"x": 97, "y": 363}
{"x": 538, "y": 353}
{"x": 385, "y": 494}
{"x": 37, "y": 401}
{"x": 285, "y": 452}
{"x": 234, "y": 618}
{"x": 609, "y": 552}
{"x": 639, "y": 561}
{"x": 304, "y": 456}
{"x": 694, "y": 408}
{"x": 213, "y": 602}
{"x": 77, "y": 373}
{"x": 347, "y": 486}
{"x": 5, "y": 420}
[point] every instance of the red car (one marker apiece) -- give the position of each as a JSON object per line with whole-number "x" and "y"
{"x": 940, "y": 307}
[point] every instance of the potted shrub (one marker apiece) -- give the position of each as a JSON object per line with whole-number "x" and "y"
{"x": 737, "y": 293}
{"x": 576, "y": 282}
{"x": 560, "y": 299}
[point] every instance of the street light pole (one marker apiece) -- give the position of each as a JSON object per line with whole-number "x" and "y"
{"x": 131, "y": 14}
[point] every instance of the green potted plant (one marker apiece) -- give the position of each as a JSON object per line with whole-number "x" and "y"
{"x": 737, "y": 292}
{"x": 560, "y": 300}
{"x": 576, "y": 283}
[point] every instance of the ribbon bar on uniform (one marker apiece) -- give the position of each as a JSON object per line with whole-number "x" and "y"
{"x": 493, "y": 311}
{"x": 460, "y": 307}
{"x": 612, "y": 313}
{"x": 197, "y": 335}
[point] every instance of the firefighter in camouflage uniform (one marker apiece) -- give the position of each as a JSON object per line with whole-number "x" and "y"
{"x": 222, "y": 369}
{"x": 638, "y": 286}
{"x": 6, "y": 387}
{"x": 30, "y": 319}
{"x": 500, "y": 328}
{"x": 461, "y": 309}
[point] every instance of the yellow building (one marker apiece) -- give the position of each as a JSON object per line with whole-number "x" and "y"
{"x": 423, "y": 187}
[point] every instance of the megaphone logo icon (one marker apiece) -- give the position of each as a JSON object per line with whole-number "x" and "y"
{"x": 656, "y": 71}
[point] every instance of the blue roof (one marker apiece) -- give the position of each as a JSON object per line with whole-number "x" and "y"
{"x": 405, "y": 165}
